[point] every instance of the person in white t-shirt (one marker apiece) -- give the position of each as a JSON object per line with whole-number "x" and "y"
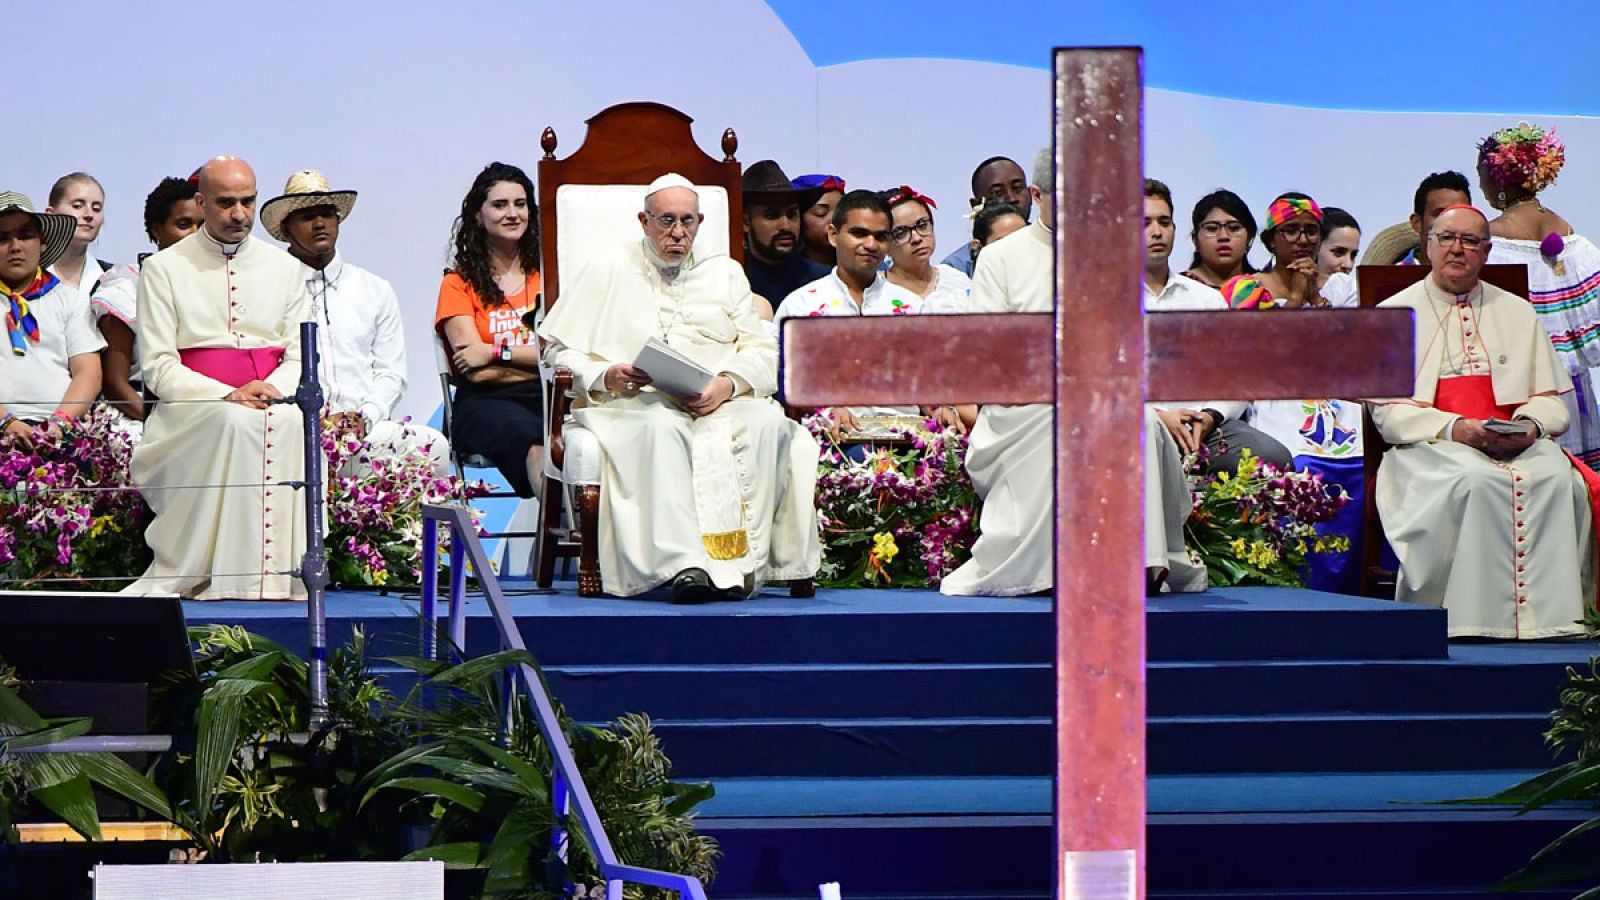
{"x": 51, "y": 375}
{"x": 941, "y": 288}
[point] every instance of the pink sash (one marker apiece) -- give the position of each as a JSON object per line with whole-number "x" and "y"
{"x": 232, "y": 366}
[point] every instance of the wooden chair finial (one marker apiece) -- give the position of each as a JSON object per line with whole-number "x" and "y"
{"x": 730, "y": 145}
{"x": 547, "y": 142}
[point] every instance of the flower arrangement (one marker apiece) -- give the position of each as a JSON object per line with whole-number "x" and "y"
{"x": 1257, "y": 524}
{"x": 68, "y": 512}
{"x": 899, "y": 513}
{"x": 1524, "y": 155}
{"x": 375, "y": 509}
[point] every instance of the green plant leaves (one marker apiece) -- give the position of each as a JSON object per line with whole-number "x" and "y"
{"x": 217, "y": 737}
{"x": 458, "y": 794}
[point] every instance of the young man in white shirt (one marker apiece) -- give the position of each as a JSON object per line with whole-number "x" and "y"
{"x": 361, "y": 339}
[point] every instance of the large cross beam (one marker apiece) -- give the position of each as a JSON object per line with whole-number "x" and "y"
{"x": 1098, "y": 359}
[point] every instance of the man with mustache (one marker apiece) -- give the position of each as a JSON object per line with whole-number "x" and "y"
{"x": 710, "y": 494}
{"x": 361, "y": 341}
{"x": 773, "y": 260}
{"x": 1488, "y": 517}
{"x": 219, "y": 346}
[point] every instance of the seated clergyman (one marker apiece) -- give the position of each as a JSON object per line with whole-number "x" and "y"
{"x": 1011, "y": 453}
{"x": 1488, "y": 517}
{"x": 711, "y": 494}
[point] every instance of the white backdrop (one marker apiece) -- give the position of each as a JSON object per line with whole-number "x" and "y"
{"x": 406, "y": 102}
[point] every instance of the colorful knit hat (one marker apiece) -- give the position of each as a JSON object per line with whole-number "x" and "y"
{"x": 1285, "y": 209}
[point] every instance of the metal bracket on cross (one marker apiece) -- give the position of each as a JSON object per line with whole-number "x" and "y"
{"x": 1099, "y": 358}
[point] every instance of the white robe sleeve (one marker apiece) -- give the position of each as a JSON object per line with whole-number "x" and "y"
{"x": 166, "y": 375}
{"x": 388, "y": 358}
{"x": 287, "y": 376}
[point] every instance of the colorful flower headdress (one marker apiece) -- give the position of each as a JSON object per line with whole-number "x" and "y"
{"x": 1525, "y": 156}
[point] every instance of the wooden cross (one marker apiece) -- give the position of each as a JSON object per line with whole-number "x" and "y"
{"x": 1098, "y": 359}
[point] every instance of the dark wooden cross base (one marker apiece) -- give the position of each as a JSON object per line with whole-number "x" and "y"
{"x": 1098, "y": 359}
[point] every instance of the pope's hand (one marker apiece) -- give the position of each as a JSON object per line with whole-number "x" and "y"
{"x": 843, "y": 424}
{"x": 625, "y": 380}
{"x": 718, "y": 392}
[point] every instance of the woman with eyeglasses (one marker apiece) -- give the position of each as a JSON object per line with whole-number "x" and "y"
{"x": 1293, "y": 233}
{"x": 1222, "y": 233}
{"x": 932, "y": 287}
{"x": 1515, "y": 165}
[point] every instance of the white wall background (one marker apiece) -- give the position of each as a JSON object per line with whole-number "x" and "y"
{"x": 405, "y": 102}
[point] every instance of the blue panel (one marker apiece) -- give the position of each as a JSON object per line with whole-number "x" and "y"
{"x": 1355, "y": 55}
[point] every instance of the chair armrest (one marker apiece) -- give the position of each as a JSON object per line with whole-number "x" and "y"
{"x": 559, "y": 397}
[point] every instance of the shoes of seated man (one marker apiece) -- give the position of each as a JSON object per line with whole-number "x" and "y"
{"x": 694, "y": 586}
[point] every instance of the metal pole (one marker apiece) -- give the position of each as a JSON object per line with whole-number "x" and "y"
{"x": 314, "y": 565}
{"x": 430, "y": 587}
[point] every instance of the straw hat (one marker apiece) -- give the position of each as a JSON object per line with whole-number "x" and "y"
{"x": 56, "y": 228}
{"x": 1390, "y": 245}
{"x": 304, "y": 190}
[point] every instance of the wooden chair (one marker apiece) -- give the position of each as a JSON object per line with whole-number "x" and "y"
{"x": 1377, "y": 284}
{"x": 588, "y": 203}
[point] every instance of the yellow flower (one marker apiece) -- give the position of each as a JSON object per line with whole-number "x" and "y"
{"x": 883, "y": 546}
{"x": 1237, "y": 547}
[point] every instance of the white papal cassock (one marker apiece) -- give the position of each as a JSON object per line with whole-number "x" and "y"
{"x": 1506, "y": 547}
{"x": 1010, "y": 449}
{"x": 730, "y": 493}
{"x": 236, "y": 541}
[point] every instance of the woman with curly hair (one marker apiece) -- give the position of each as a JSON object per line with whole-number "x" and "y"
{"x": 494, "y": 360}
{"x": 1514, "y": 165}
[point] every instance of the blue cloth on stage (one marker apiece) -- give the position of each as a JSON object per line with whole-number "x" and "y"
{"x": 1338, "y": 572}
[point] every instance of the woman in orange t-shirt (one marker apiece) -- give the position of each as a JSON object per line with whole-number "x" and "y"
{"x": 494, "y": 359}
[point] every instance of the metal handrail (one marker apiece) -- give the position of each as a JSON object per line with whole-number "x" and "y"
{"x": 567, "y": 782}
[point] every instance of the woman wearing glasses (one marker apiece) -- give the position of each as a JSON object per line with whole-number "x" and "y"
{"x": 494, "y": 360}
{"x": 1223, "y": 231}
{"x": 934, "y": 287}
{"x": 1514, "y": 166}
{"x": 1293, "y": 232}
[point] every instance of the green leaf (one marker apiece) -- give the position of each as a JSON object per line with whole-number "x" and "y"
{"x": 685, "y": 797}
{"x": 533, "y": 779}
{"x": 523, "y": 837}
{"x": 111, "y": 773}
{"x": 254, "y": 668}
{"x": 73, "y": 801}
{"x": 483, "y": 666}
{"x": 217, "y": 737}
{"x": 463, "y": 855}
{"x": 1519, "y": 794}
{"x": 16, "y": 716}
{"x": 1578, "y": 784}
{"x": 419, "y": 664}
{"x": 68, "y": 728}
{"x": 486, "y": 778}
{"x": 458, "y": 794}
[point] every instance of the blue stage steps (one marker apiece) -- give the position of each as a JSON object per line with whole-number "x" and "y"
{"x": 900, "y": 742}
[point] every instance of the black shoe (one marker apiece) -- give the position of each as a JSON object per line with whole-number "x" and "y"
{"x": 694, "y": 586}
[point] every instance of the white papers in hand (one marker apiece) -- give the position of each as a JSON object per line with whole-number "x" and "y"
{"x": 671, "y": 372}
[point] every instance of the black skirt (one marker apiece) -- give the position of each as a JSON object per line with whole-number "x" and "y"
{"x": 500, "y": 423}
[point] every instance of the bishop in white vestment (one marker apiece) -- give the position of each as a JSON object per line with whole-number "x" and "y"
{"x": 1009, "y": 454}
{"x": 711, "y": 494}
{"x": 219, "y": 316}
{"x": 1495, "y": 524}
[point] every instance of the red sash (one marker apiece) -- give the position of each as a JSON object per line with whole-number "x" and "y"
{"x": 232, "y": 366}
{"x": 1473, "y": 396}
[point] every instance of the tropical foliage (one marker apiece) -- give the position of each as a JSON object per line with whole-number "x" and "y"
{"x": 431, "y": 774}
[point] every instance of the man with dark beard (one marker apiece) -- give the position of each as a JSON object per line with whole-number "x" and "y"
{"x": 772, "y": 258}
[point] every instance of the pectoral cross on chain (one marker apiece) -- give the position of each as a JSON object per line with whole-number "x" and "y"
{"x": 1098, "y": 359}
